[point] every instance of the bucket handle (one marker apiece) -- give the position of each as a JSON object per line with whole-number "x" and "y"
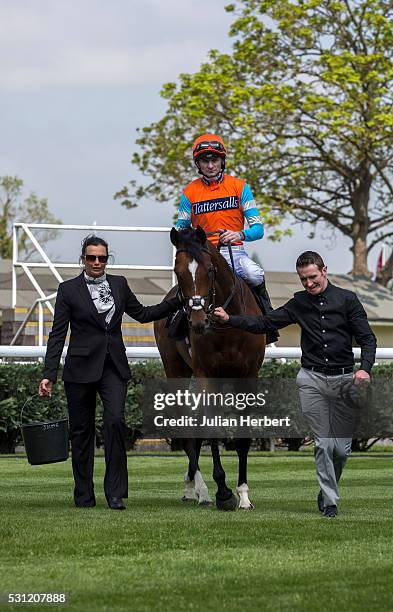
{"x": 24, "y": 405}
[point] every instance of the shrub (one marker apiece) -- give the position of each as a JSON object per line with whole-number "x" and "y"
{"x": 19, "y": 382}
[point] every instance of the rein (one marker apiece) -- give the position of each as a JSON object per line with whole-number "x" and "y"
{"x": 232, "y": 293}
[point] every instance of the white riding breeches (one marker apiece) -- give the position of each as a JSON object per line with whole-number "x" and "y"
{"x": 245, "y": 267}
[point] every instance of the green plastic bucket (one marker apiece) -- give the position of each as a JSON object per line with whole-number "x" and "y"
{"x": 45, "y": 442}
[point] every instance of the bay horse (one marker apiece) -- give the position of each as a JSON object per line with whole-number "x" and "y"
{"x": 205, "y": 281}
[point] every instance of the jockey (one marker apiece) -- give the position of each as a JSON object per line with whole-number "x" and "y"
{"x": 218, "y": 203}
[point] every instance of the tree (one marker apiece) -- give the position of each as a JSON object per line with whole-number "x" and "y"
{"x": 14, "y": 207}
{"x": 305, "y": 103}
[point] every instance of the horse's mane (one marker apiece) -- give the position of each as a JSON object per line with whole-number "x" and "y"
{"x": 188, "y": 240}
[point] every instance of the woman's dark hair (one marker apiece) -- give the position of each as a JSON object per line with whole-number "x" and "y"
{"x": 93, "y": 240}
{"x": 308, "y": 258}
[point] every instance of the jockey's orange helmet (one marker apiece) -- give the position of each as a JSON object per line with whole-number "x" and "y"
{"x": 208, "y": 143}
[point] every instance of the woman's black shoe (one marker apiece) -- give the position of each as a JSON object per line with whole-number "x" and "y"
{"x": 115, "y": 503}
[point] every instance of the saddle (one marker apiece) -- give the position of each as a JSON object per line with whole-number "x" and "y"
{"x": 177, "y": 325}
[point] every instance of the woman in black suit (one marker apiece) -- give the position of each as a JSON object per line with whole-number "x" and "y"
{"x": 93, "y": 305}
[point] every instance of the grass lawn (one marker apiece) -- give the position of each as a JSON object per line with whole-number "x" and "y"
{"x": 163, "y": 555}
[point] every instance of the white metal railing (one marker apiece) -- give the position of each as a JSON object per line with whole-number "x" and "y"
{"x": 38, "y": 302}
{"x": 54, "y": 267}
{"x": 151, "y": 352}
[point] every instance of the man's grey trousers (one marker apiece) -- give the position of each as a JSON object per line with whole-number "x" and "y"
{"x": 332, "y": 422}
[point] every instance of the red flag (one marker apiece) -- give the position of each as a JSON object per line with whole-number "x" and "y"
{"x": 381, "y": 260}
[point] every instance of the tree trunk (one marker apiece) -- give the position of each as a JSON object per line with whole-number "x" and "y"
{"x": 360, "y": 224}
{"x": 359, "y": 250}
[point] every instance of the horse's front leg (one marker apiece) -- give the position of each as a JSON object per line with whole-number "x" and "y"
{"x": 225, "y": 499}
{"x": 195, "y": 487}
{"x": 242, "y": 446}
{"x": 201, "y": 489}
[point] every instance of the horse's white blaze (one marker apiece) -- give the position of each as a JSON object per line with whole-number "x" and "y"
{"x": 192, "y": 266}
{"x": 244, "y": 500}
{"x": 201, "y": 490}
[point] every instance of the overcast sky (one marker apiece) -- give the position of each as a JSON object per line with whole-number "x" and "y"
{"x": 77, "y": 79}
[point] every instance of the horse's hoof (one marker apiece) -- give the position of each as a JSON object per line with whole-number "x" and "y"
{"x": 188, "y": 499}
{"x": 244, "y": 500}
{"x": 247, "y": 509}
{"x": 227, "y": 505}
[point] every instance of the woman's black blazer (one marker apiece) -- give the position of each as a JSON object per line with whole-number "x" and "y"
{"x": 90, "y": 338}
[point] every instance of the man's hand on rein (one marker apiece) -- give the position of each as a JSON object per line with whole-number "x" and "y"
{"x": 220, "y": 315}
{"x": 228, "y": 237}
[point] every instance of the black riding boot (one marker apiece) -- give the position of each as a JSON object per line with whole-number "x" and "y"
{"x": 263, "y": 298}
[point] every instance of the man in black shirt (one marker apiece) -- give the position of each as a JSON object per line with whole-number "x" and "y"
{"x": 329, "y": 318}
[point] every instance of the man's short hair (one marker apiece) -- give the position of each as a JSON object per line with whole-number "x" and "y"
{"x": 308, "y": 258}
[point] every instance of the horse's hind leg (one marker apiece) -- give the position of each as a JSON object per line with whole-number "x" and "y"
{"x": 242, "y": 446}
{"x": 198, "y": 446}
{"x": 195, "y": 487}
{"x": 225, "y": 499}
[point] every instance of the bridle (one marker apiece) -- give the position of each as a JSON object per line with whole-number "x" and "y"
{"x": 207, "y": 302}
{"x": 198, "y": 302}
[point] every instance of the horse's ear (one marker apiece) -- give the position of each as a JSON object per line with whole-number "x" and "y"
{"x": 200, "y": 234}
{"x": 174, "y": 236}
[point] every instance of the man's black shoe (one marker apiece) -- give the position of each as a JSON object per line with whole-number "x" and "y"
{"x": 115, "y": 503}
{"x": 320, "y": 501}
{"x": 330, "y": 511}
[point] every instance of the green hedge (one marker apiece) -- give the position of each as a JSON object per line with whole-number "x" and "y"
{"x": 20, "y": 382}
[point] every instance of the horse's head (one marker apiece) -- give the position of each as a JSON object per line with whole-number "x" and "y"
{"x": 196, "y": 275}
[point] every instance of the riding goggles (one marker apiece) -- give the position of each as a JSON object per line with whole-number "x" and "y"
{"x": 209, "y": 146}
